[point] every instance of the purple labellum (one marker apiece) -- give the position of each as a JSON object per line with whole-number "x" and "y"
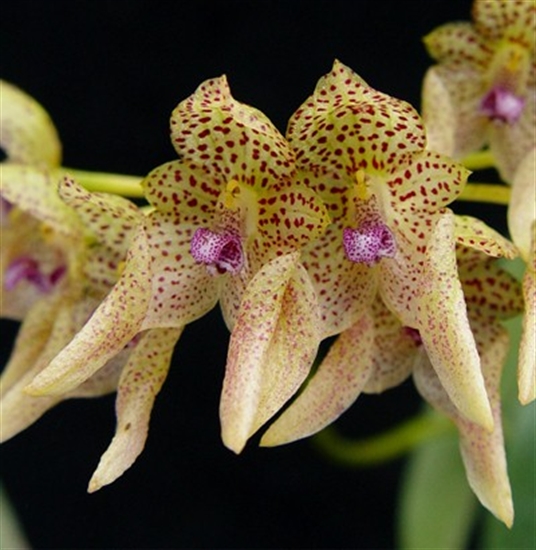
{"x": 502, "y": 105}
{"x": 27, "y": 269}
{"x": 414, "y": 334}
{"x": 369, "y": 243}
{"x": 221, "y": 252}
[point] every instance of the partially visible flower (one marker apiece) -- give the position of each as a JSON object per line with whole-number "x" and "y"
{"x": 483, "y": 89}
{"x": 364, "y": 153}
{"x": 522, "y": 225}
{"x": 379, "y": 352}
{"x": 227, "y": 214}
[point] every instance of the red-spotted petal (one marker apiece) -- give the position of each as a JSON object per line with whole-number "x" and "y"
{"x": 512, "y": 19}
{"x": 346, "y": 126}
{"x": 182, "y": 290}
{"x": 445, "y": 331}
{"x": 337, "y": 383}
{"x": 229, "y": 138}
{"x": 183, "y": 189}
{"x": 474, "y": 234}
{"x": 140, "y": 382}
{"x": 272, "y": 347}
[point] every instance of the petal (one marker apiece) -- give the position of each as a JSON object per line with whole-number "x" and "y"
{"x": 111, "y": 219}
{"x": 113, "y": 325}
{"x": 438, "y": 114}
{"x": 482, "y": 451}
{"x": 28, "y": 134}
{"x": 31, "y": 338}
{"x": 36, "y": 192}
{"x": 527, "y": 347}
{"x": 521, "y": 211}
{"x": 515, "y": 20}
{"x": 334, "y": 387}
{"x": 511, "y": 143}
{"x": 423, "y": 182}
{"x": 347, "y": 125}
{"x": 272, "y": 348}
{"x": 229, "y": 138}
{"x": 394, "y": 349}
{"x": 181, "y": 289}
{"x": 345, "y": 289}
{"x": 139, "y": 385}
{"x": 444, "y": 328}
{"x": 458, "y": 44}
{"x": 459, "y": 90}
{"x": 187, "y": 191}
{"x": 474, "y": 234}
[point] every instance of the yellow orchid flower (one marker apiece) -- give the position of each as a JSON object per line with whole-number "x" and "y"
{"x": 227, "y": 214}
{"x": 364, "y": 153}
{"x": 379, "y": 352}
{"x": 483, "y": 89}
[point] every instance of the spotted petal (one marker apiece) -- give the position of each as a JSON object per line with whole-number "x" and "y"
{"x": 506, "y": 19}
{"x": 230, "y": 138}
{"x": 272, "y": 348}
{"x": 113, "y": 325}
{"x": 445, "y": 331}
{"x": 337, "y": 383}
{"x": 28, "y": 135}
{"x": 482, "y": 451}
{"x": 347, "y": 125}
{"x": 140, "y": 382}
{"x": 36, "y": 192}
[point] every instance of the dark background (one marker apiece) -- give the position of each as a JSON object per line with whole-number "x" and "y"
{"x": 109, "y": 73}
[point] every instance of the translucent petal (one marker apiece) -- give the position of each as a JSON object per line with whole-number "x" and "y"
{"x": 229, "y": 138}
{"x": 334, "y": 387}
{"x": 272, "y": 347}
{"x": 140, "y": 382}
{"x": 28, "y": 135}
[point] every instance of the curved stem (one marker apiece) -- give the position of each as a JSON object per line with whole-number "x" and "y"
{"x": 479, "y": 160}
{"x": 118, "y": 184}
{"x": 383, "y": 447}
{"x": 486, "y": 192}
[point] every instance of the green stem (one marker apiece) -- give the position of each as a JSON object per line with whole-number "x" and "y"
{"x": 118, "y": 184}
{"x": 383, "y": 447}
{"x": 479, "y": 160}
{"x": 486, "y": 192}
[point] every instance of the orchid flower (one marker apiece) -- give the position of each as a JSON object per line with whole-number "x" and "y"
{"x": 379, "y": 352}
{"x": 364, "y": 153}
{"x": 483, "y": 89}
{"x": 228, "y": 214}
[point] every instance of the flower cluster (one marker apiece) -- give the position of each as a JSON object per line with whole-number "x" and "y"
{"x": 341, "y": 228}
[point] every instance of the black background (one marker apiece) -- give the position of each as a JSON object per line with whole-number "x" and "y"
{"x": 109, "y": 73}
